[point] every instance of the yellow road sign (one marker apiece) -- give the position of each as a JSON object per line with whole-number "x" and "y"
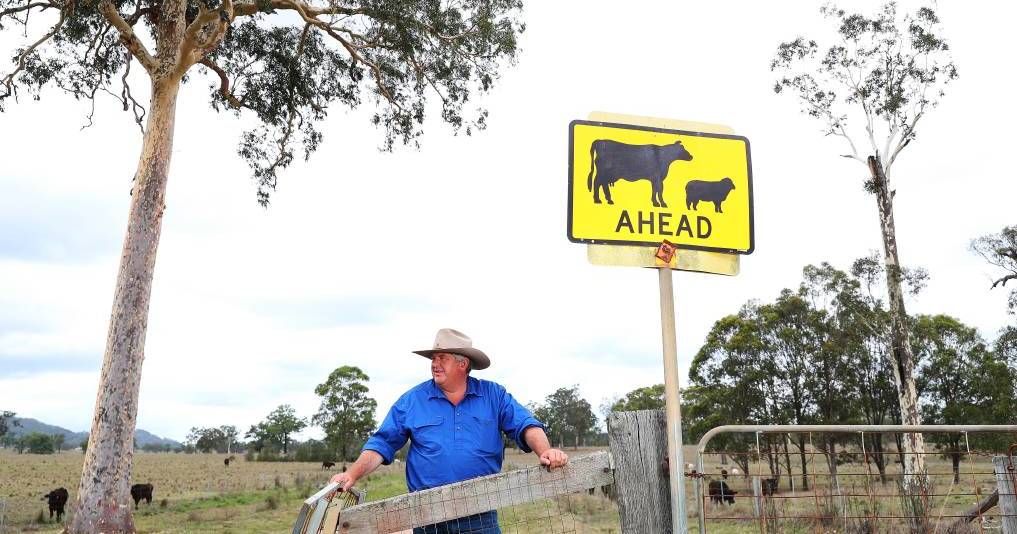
{"x": 639, "y": 185}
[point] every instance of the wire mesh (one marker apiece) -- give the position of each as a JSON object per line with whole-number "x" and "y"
{"x": 852, "y": 483}
{"x": 532, "y": 501}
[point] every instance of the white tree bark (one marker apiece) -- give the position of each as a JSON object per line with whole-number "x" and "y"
{"x": 915, "y": 483}
{"x": 104, "y": 501}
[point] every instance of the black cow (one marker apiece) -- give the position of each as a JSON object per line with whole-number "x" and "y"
{"x": 612, "y": 161}
{"x": 697, "y": 191}
{"x": 327, "y": 465}
{"x": 770, "y": 486}
{"x": 229, "y": 459}
{"x": 721, "y": 493}
{"x": 141, "y": 491}
{"x": 57, "y": 499}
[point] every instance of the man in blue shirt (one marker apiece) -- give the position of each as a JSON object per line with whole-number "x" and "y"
{"x": 454, "y": 423}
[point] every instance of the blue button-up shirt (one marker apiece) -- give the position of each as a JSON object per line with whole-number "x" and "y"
{"x": 450, "y": 443}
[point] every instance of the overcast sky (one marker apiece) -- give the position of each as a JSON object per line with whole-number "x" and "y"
{"x": 364, "y": 255}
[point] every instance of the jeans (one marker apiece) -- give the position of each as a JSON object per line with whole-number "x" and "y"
{"x": 485, "y": 523}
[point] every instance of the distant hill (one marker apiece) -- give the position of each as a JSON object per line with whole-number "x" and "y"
{"x": 29, "y": 425}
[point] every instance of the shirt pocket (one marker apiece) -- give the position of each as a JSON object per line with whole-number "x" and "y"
{"x": 427, "y": 435}
{"x": 484, "y": 435}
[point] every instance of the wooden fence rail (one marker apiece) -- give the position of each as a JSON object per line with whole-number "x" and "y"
{"x": 477, "y": 495}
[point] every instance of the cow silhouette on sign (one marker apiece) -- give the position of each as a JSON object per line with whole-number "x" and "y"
{"x": 611, "y": 161}
{"x": 697, "y": 191}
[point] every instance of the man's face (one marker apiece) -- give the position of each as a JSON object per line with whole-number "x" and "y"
{"x": 445, "y": 368}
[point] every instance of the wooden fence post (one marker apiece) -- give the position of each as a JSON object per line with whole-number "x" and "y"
{"x": 1007, "y": 500}
{"x": 639, "y": 447}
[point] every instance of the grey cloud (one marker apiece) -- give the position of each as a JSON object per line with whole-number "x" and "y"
{"x": 59, "y": 227}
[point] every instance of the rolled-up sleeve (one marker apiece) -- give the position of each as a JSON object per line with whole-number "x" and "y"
{"x": 514, "y": 419}
{"x": 392, "y": 434}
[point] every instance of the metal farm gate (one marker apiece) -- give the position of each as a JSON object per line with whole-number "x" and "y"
{"x": 848, "y": 478}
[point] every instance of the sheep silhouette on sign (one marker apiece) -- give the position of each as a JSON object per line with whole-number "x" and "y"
{"x": 611, "y": 161}
{"x": 697, "y": 191}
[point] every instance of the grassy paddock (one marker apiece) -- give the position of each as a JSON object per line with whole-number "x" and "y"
{"x": 862, "y": 503}
{"x": 196, "y": 493}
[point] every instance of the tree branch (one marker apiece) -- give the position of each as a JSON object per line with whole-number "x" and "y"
{"x": 224, "y": 83}
{"x": 195, "y": 45}
{"x": 1002, "y": 281}
{"x": 127, "y": 36}
{"x": 243, "y": 9}
{"x": 26, "y": 7}
{"x": 8, "y": 81}
{"x": 305, "y": 12}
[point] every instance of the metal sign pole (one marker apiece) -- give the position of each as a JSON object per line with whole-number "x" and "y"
{"x": 672, "y": 396}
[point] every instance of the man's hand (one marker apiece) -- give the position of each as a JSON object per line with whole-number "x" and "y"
{"x": 344, "y": 480}
{"x": 554, "y": 458}
{"x": 366, "y": 464}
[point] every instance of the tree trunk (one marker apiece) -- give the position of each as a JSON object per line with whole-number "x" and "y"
{"x": 805, "y": 465}
{"x": 879, "y": 456}
{"x": 955, "y": 457}
{"x": 831, "y": 461}
{"x": 903, "y": 359}
{"x": 787, "y": 462}
{"x": 104, "y": 492}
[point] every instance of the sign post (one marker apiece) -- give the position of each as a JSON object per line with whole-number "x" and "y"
{"x": 672, "y": 397}
{"x": 710, "y": 218}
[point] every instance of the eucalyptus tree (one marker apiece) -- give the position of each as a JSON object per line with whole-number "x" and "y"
{"x": 346, "y": 413}
{"x": 730, "y": 383}
{"x": 793, "y": 335}
{"x": 828, "y": 291}
{"x": 283, "y": 62}
{"x": 567, "y": 414}
{"x": 7, "y": 421}
{"x": 645, "y": 398}
{"x": 1000, "y": 250}
{"x": 871, "y": 88}
{"x": 961, "y": 381}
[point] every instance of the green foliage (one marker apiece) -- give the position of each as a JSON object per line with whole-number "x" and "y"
{"x": 1000, "y": 250}
{"x": 36, "y": 443}
{"x": 277, "y": 428}
{"x": 212, "y": 439}
{"x": 83, "y": 445}
{"x": 262, "y": 59}
{"x": 961, "y": 380}
{"x": 892, "y": 69}
{"x": 567, "y": 416}
{"x": 313, "y": 451}
{"x": 647, "y": 398}
{"x": 346, "y": 413}
{"x": 7, "y": 421}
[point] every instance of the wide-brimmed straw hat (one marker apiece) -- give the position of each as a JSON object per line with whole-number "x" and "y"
{"x": 456, "y": 342}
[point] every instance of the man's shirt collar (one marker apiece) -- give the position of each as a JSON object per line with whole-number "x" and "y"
{"x": 472, "y": 388}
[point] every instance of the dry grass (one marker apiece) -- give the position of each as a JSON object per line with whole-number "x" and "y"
{"x": 798, "y": 510}
{"x": 179, "y": 479}
{"x": 203, "y": 496}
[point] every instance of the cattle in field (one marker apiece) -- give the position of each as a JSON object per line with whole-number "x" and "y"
{"x": 57, "y": 499}
{"x": 229, "y": 459}
{"x": 141, "y": 491}
{"x": 721, "y": 493}
{"x": 770, "y": 485}
{"x": 327, "y": 465}
{"x": 697, "y": 191}
{"x": 611, "y": 161}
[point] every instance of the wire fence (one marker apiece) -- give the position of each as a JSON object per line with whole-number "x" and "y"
{"x": 806, "y": 481}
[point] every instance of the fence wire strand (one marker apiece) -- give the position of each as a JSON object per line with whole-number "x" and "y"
{"x": 862, "y": 489}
